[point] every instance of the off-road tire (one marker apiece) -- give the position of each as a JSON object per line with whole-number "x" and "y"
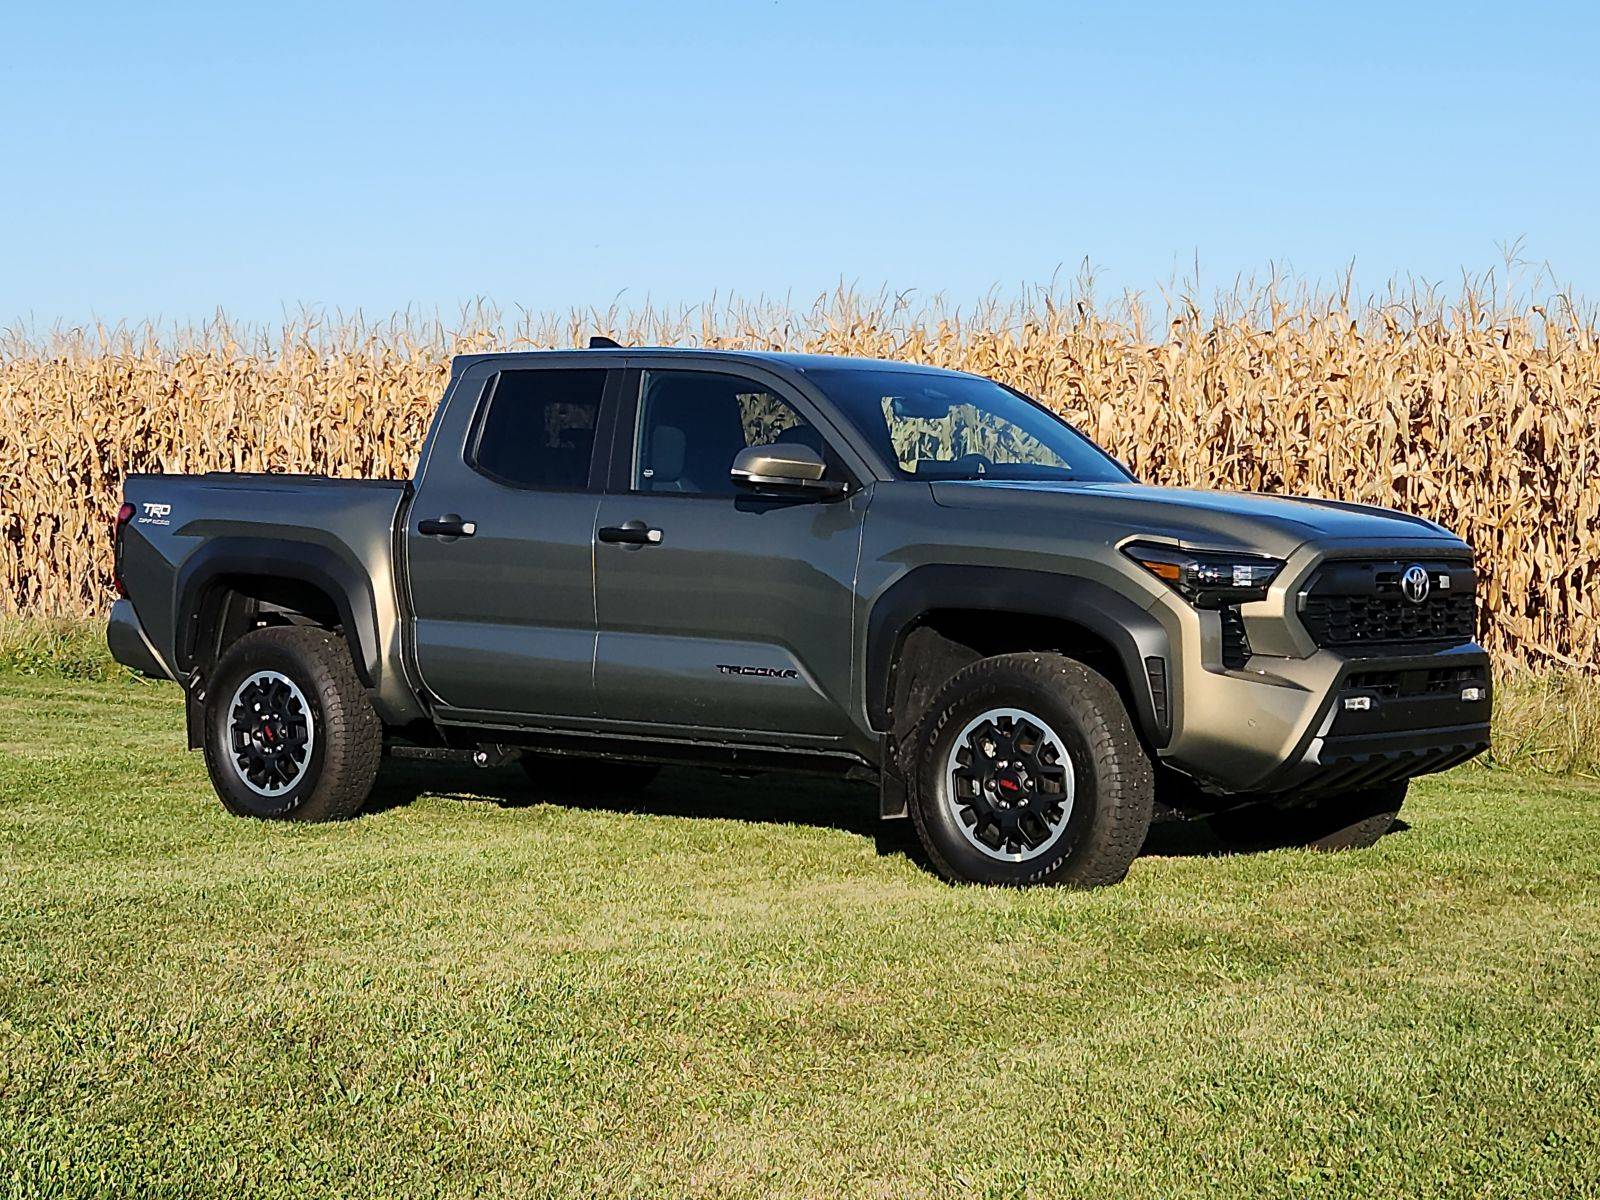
{"x": 1112, "y": 776}
{"x": 348, "y": 739}
{"x": 1351, "y": 821}
{"x": 565, "y": 775}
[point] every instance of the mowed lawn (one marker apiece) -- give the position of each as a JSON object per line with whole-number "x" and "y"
{"x": 741, "y": 987}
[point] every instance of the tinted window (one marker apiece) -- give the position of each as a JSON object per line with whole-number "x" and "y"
{"x": 693, "y": 424}
{"x": 539, "y": 428}
{"x": 939, "y": 425}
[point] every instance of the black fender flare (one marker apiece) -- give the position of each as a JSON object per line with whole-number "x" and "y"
{"x": 341, "y": 578}
{"x": 1132, "y": 632}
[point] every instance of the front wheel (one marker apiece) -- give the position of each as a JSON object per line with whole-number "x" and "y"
{"x": 1026, "y": 770}
{"x": 1353, "y": 821}
{"x": 289, "y": 730}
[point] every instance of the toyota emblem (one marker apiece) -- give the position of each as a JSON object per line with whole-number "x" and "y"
{"x": 1414, "y": 583}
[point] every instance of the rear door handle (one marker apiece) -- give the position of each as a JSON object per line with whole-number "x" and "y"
{"x": 449, "y": 525}
{"x": 629, "y": 533}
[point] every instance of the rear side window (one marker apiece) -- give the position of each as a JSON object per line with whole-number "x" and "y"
{"x": 537, "y": 430}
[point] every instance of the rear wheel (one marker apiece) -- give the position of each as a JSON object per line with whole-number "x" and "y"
{"x": 561, "y": 775}
{"x": 1353, "y": 821}
{"x": 1026, "y": 770}
{"x": 289, "y": 730}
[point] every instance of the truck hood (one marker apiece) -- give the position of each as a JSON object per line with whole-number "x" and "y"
{"x": 1226, "y": 520}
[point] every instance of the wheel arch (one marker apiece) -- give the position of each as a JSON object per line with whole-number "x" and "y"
{"x": 227, "y": 582}
{"x": 935, "y": 619}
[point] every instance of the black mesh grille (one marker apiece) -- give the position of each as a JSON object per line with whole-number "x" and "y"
{"x": 1355, "y": 605}
{"x": 1235, "y": 642}
{"x": 1418, "y": 681}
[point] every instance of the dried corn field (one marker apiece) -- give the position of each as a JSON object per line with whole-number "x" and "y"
{"x": 1476, "y": 414}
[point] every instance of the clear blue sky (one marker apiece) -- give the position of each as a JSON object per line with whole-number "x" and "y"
{"x": 161, "y": 160}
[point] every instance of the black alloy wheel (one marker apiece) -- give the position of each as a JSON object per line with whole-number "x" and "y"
{"x": 1010, "y": 784}
{"x": 271, "y": 734}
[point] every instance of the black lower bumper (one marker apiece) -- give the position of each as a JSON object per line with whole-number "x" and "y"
{"x": 1389, "y": 721}
{"x": 1348, "y": 764}
{"x": 128, "y": 643}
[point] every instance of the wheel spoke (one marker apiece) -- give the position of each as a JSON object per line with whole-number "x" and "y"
{"x": 1033, "y": 828}
{"x": 1051, "y": 781}
{"x": 991, "y": 834}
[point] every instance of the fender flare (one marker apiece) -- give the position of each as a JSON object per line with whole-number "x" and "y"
{"x": 1132, "y": 632}
{"x": 342, "y": 579}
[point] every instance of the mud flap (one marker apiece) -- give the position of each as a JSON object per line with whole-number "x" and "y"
{"x": 194, "y": 711}
{"x": 892, "y": 797}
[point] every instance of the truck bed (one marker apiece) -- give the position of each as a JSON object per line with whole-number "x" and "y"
{"x": 189, "y": 531}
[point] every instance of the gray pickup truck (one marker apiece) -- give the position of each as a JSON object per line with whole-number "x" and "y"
{"x": 611, "y": 559}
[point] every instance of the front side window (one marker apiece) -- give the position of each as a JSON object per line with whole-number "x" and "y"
{"x": 538, "y": 429}
{"x": 938, "y": 425}
{"x": 692, "y": 424}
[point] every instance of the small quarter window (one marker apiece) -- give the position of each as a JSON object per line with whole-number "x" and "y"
{"x": 538, "y": 430}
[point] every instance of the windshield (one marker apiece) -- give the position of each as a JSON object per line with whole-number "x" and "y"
{"x": 937, "y": 426}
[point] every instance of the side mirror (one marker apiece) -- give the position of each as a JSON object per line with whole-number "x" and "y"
{"x": 787, "y": 466}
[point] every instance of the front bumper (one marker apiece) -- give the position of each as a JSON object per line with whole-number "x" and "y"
{"x": 129, "y": 645}
{"x": 1330, "y": 723}
{"x": 1390, "y": 720}
{"x": 1279, "y": 723}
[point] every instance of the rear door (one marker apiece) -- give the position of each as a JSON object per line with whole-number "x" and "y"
{"x": 500, "y": 543}
{"x": 719, "y": 609}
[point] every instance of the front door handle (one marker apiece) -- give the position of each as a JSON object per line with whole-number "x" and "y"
{"x": 629, "y": 533}
{"x": 451, "y": 525}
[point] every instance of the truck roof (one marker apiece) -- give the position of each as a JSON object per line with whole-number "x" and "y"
{"x": 794, "y": 362}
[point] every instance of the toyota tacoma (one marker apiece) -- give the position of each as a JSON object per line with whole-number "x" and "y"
{"x": 610, "y": 559}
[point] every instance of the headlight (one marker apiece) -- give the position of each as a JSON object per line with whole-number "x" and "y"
{"x": 1207, "y": 579}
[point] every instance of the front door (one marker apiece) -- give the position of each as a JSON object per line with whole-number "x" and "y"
{"x": 719, "y": 609}
{"x": 500, "y": 544}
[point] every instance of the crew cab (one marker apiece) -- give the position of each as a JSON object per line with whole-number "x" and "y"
{"x": 613, "y": 558}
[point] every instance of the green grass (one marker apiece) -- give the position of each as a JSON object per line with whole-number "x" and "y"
{"x": 740, "y": 988}
{"x": 65, "y": 647}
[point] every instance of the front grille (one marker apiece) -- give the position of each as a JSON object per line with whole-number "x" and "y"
{"x": 1235, "y": 641}
{"x": 1358, "y": 605}
{"x": 1453, "y": 679}
{"x": 1416, "y": 681}
{"x": 1387, "y": 621}
{"x": 1380, "y": 683}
